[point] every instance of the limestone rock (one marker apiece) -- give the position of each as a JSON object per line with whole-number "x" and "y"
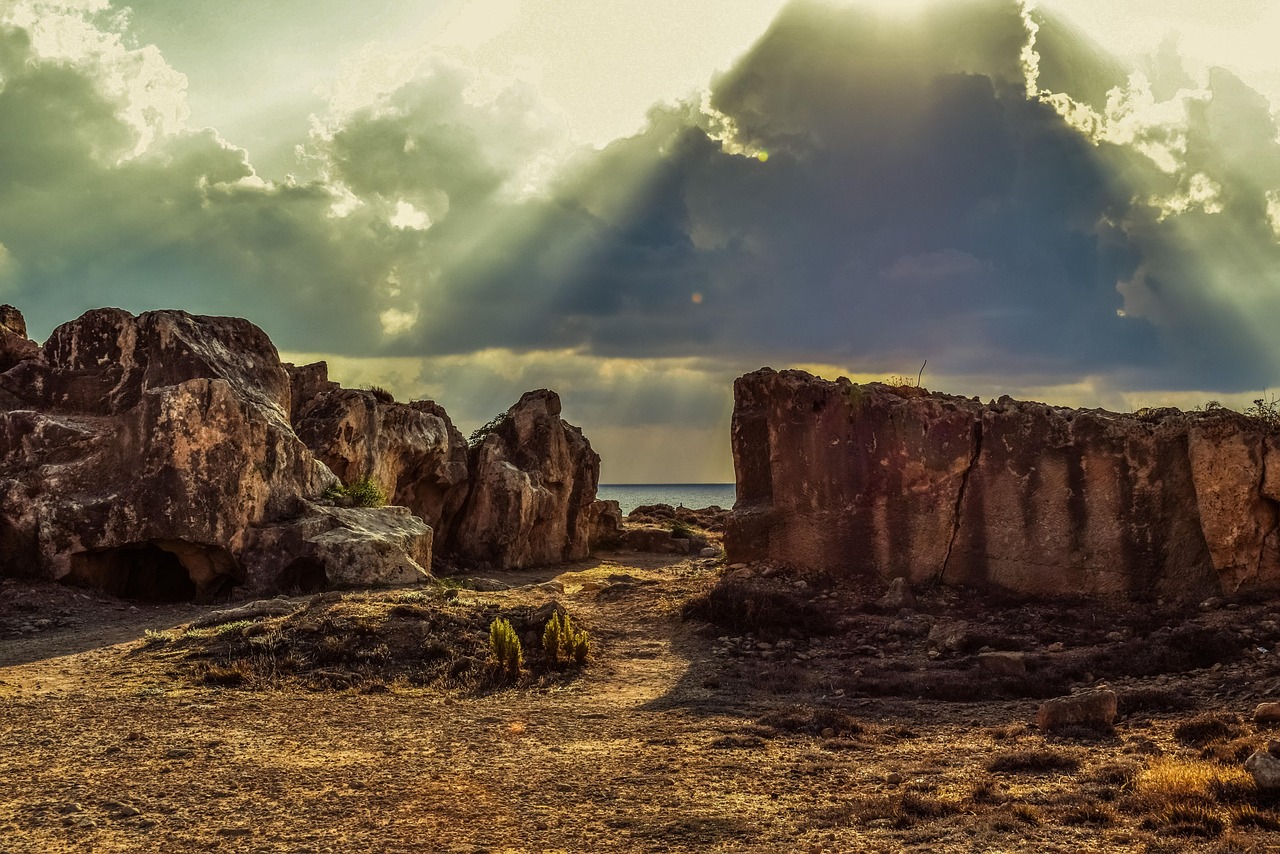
{"x": 1092, "y": 710}
{"x": 880, "y": 482}
{"x": 328, "y": 547}
{"x": 15, "y": 346}
{"x": 1265, "y": 768}
{"x": 606, "y": 523}
{"x": 533, "y": 481}
{"x": 899, "y": 596}
{"x": 138, "y": 456}
{"x": 412, "y": 451}
{"x": 1003, "y": 663}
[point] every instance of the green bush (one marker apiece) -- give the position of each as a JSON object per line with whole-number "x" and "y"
{"x": 563, "y": 643}
{"x": 362, "y": 492}
{"x": 504, "y": 643}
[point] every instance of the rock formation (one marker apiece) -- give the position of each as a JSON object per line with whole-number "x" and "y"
{"x": 412, "y": 451}
{"x": 139, "y": 455}
{"x": 533, "y": 481}
{"x": 878, "y": 482}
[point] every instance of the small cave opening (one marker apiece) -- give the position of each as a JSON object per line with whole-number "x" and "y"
{"x": 19, "y": 553}
{"x": 155, "y": 571}
{"x": 303, "y": 575}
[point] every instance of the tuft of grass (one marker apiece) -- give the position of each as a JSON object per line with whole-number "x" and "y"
{"x": 1186, "y": 819}
{"x": 233, "y": 674}
{"x": 1033, "y": 762}
{"x": 504, "y": 643}
{"x": 1096, "y": 814}
{"x": 381, "y": 395}
{"x": 813, "y": 720}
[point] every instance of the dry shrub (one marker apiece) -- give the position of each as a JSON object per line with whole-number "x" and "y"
{"x": 813, "y": 720}
{"x": 1089, "y": 814}
{"x": 1121, "y": 774}
{"x": 1205, "y": 729}
{"x": 1186, "y": 819}
{"x": 1033, "y": 762}
{"x": 1247, "y": 815}
{"x": 1167, "y": 781}
{"x": 902, "y": 810}
{"x": 1232, "y": 752}
{"x": 232, "y": 674}
{"x": 1027, "y": 814}
{"x": 1135, "y": 700}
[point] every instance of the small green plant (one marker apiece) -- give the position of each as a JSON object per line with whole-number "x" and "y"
{"x": 477, "y": 435}
{"x": 563, "y": 643}
{"x": 504, "y": 643}
{"x": 362, "y": 492}
{"x": 681, "y": 531}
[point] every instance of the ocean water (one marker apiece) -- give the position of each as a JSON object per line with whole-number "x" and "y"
{"x": 696, "y": 495}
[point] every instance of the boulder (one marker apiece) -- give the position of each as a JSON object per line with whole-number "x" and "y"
{"x": 1003, "y": 663}
{"x": 606, "y": 524}
{"x": 1091, "y": 710}
{"x": 326, "y": 547}
{"x": 1265, "y": 767}
{"x": 1267, "y": 714}
{"x": 876, "y": 482}
{"x": 898, "y": 596}
{"x": 533, "y": 481}
{"x": 412, "y": 451}
{"x": 138, "y": 454}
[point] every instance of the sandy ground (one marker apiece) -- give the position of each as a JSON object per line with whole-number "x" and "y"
{"x": 105, "y": 746}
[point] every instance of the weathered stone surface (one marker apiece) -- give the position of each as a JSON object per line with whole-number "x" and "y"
{"x": 327, "y": 547}
{"x": 138, "y": 454}
{"x": 881, "y": 482}
{"x": 898, "y": 596}
{"x": 1267, "y": 714}
{"x": 15, "y": 346}
{"x": 1265, "y": 767}
{"x": 1093, "y": 710}
{"x": 412, "y": 451}
{"x": 606, "y": 523}
{"x": 533, "y": 481}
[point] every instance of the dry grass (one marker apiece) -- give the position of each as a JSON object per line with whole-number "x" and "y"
{"x": 1033, "y": 762}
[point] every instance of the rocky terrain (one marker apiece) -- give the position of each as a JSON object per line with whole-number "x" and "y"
{"x": 741, "y": 708}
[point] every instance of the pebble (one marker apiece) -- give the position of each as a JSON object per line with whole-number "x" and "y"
{"x": 893, "y": 778}
{"x": 178, "y": 753}
{"x": 1115, "y": 637}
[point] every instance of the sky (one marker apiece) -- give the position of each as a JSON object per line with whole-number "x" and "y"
{"x": 632, "y": 204}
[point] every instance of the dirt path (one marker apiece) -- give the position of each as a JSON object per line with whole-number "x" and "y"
{"x": 656, "y": 747}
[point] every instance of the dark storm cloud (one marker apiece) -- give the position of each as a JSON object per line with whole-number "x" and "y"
{"x": 915, "y": 203}
{"x": 855, "y": 190}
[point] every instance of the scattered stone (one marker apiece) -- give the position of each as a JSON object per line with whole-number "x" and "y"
{"x": 1267, "y": 714}
{"x": 179, "y": 753}
{"x": 1093, "y": 710}
{"x": 898, "y": 597}
{"x": 1115, "y": 637}
{"x": 1057, "y": 646}
{"x": 949, "y": 635}
{"x": 709, "y": 551}
{"x": 893, "y": 778}
{"x": 1003, "y": 663}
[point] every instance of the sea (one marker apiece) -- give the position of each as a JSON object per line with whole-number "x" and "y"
{"x": 695, "y": 495}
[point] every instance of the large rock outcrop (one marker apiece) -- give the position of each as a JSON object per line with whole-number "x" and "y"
{"x": 412, "y": 451}
{"x": 877, "y": 482}
{"x": 139, "y": 454}
{"x": 533, "y": 481}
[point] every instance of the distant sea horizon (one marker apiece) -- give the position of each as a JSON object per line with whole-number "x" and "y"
{"x": 694, "y": 495}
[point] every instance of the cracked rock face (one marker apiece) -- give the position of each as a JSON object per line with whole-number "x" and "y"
{"x": 533, "y": 481}
{"x": 878, "y": 483}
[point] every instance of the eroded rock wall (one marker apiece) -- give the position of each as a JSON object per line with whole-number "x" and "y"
{"x": 138, "y": 454}
{"x": 533, "y": 481}
{"x": 413, "y": 451}
{"x": 878, "y": 482}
